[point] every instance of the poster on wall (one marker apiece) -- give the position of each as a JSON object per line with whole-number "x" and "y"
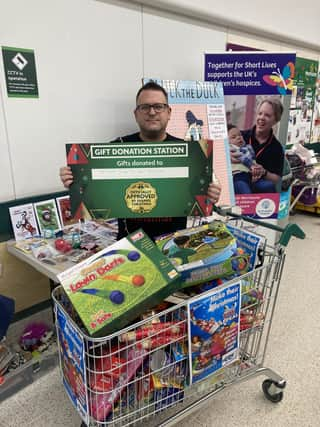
{"x": 315, "y": 131}
{"x": 257, "y": 87}
{"x": 302, "y": 101}
{"x": 20, "y": 72}
{"x": 198, "y": 112}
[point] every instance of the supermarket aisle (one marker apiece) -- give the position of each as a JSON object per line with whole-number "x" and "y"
{"x": 293, "y": 352}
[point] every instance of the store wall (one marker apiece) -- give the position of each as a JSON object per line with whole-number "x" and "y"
{"x": 87, "y": 68}
{"x": 90, "y": 58}
{"x": 290, "y": 19}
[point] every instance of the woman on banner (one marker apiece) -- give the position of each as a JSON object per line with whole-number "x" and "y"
{"x": 269, "y": 153}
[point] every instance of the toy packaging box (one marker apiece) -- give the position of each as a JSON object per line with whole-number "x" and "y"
{"x": 203, "y": 253}
{"x": 249, "y": 243}
{"x": 214, "y": 322}
{"x": 115, "y": 285}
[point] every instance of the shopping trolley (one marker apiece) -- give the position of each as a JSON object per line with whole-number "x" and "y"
{"x": 141, "y": 374}
{"x": 306, "y": 179}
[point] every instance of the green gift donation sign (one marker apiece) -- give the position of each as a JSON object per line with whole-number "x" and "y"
{"x": 137, "y": 179}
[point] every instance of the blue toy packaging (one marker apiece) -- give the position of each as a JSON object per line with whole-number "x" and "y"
{"x": 204, "y": 253}
{"x": 214, "y": 324}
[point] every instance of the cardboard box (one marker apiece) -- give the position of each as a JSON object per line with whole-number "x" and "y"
{"x": 117, "y": 284}
{"x": 203, "y": 253}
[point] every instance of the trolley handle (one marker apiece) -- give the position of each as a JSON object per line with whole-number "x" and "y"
{"x": 286, "y": 232}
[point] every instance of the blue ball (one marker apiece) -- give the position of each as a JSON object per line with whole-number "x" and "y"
{"x": 117, "y": 297}
{"x": 133, "y": 256}
{"x": 235, "y": 265}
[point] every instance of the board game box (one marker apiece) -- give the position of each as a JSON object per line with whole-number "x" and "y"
{"x": 117, "y": 284}
{"x": 203, "y": 253}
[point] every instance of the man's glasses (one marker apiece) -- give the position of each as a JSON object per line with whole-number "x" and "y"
{"x": 146, "y": 108}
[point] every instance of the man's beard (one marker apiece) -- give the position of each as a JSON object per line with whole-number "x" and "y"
{"x": 153, "y": 133}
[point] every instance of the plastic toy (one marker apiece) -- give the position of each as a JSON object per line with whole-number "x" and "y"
{"x": 76, "y": 241}
{"x": 62, "y": 245}
{"x": 101, "y": 404}
{"x": 250, "y": 319}
{"x": 170, "y": 329}
{"x": 32, "y": 336}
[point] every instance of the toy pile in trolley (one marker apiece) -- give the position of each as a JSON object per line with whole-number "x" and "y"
{"x": 305, "y": 167}
{"x": 199, "y": 333}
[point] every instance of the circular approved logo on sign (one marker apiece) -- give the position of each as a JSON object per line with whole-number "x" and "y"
{"x": 141, "y": 197}
{"x": 265, "y": 208}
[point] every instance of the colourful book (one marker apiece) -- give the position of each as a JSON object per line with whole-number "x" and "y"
{"x": 116, "y": 285}
{"x": 64, "y": 209}
{"x": 23, "y": 220}
{"x": 47, "y": 216}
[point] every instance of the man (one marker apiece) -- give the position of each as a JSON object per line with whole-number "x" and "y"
{"x": 152, "y": 114}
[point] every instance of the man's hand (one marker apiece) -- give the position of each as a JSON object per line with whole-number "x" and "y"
{"x": 214, "y": 191}
{"x": 66, "y": 176}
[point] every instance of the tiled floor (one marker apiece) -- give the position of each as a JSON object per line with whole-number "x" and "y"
{"x": 293, "y": 351}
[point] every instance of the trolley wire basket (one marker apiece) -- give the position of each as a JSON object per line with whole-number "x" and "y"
{"x": 141, "y": 374}
{"x": 305, "y": 181}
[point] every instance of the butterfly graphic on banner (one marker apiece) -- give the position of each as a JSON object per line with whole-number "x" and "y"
{"x": 284, "y": 80}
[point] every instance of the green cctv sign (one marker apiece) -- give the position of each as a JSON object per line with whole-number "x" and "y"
{"x": 20, "y": 72}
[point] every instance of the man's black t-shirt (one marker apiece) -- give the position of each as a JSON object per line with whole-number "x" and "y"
{"x": 135, "y": 137}
{"x": 152, "y": 226}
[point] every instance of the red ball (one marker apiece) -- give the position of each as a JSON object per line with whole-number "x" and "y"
{"x": 67, "y": 247}
{"x": 60, "y": 244}
{"x": 138, "y": 280}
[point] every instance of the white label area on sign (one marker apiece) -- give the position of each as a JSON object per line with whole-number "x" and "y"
{"x": 139, "y": 173}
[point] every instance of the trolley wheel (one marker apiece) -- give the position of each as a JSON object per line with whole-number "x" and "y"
{"x": 274, "y": 397}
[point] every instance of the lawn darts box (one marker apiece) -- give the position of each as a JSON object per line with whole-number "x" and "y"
{"x": 117, "y": 284}
{"x": 204, "y": 253}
